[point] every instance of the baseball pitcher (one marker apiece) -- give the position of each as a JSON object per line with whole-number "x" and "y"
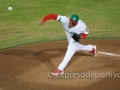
{"x": 76, "y": 30}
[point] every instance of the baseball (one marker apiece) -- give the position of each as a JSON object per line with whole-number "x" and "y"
{"x": 9, "y": 8}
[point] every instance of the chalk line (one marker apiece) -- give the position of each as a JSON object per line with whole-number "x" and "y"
{"x": 110, "y": 54}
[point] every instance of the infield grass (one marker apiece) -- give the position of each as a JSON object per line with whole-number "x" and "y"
{"x": 21, "y": 25}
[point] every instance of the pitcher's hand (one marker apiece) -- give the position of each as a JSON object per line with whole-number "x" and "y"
{"x": 41, "y": 23}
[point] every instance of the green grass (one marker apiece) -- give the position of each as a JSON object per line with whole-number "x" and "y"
{"x": 21, "y": 25}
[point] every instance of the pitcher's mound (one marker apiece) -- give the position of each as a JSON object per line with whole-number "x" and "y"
{"x": 28, "y": 67}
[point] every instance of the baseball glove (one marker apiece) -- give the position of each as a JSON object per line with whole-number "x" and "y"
{"x": 76, "y": 37}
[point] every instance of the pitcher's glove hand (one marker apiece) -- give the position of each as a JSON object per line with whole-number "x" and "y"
{"x": 77, "y": 37}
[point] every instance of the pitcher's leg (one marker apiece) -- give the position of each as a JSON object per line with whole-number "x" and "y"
{"x": 90, "y": 48}
{"x": 84, "y": 47}
{"x": 70, "y": 52}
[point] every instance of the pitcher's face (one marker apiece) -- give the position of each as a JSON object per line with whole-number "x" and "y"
{"x": 70, "y": 25}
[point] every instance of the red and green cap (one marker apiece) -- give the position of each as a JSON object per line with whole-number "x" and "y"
{"x": 74, "y": 19}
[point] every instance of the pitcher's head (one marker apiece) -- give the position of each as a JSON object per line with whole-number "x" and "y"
{"x": 73, "y": 20}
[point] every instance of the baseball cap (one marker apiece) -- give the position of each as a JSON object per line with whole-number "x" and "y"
{"x": 74, "y": 19}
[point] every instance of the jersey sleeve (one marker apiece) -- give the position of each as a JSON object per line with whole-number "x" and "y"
{"x": 62, "y": 19}
{"x": 55, "y": 17}
{"x": 49, "y": 17}
{"x": 85, "y": 34}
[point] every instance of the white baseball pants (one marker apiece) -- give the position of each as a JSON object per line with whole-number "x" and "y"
{"x": 72, "y": 47}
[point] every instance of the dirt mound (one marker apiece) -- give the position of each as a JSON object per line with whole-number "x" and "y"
{"x": 28, "y": 67}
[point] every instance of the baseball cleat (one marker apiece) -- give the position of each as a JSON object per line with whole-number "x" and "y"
{"x": 57, "y": 72}
{"x": 94, "y": 51}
